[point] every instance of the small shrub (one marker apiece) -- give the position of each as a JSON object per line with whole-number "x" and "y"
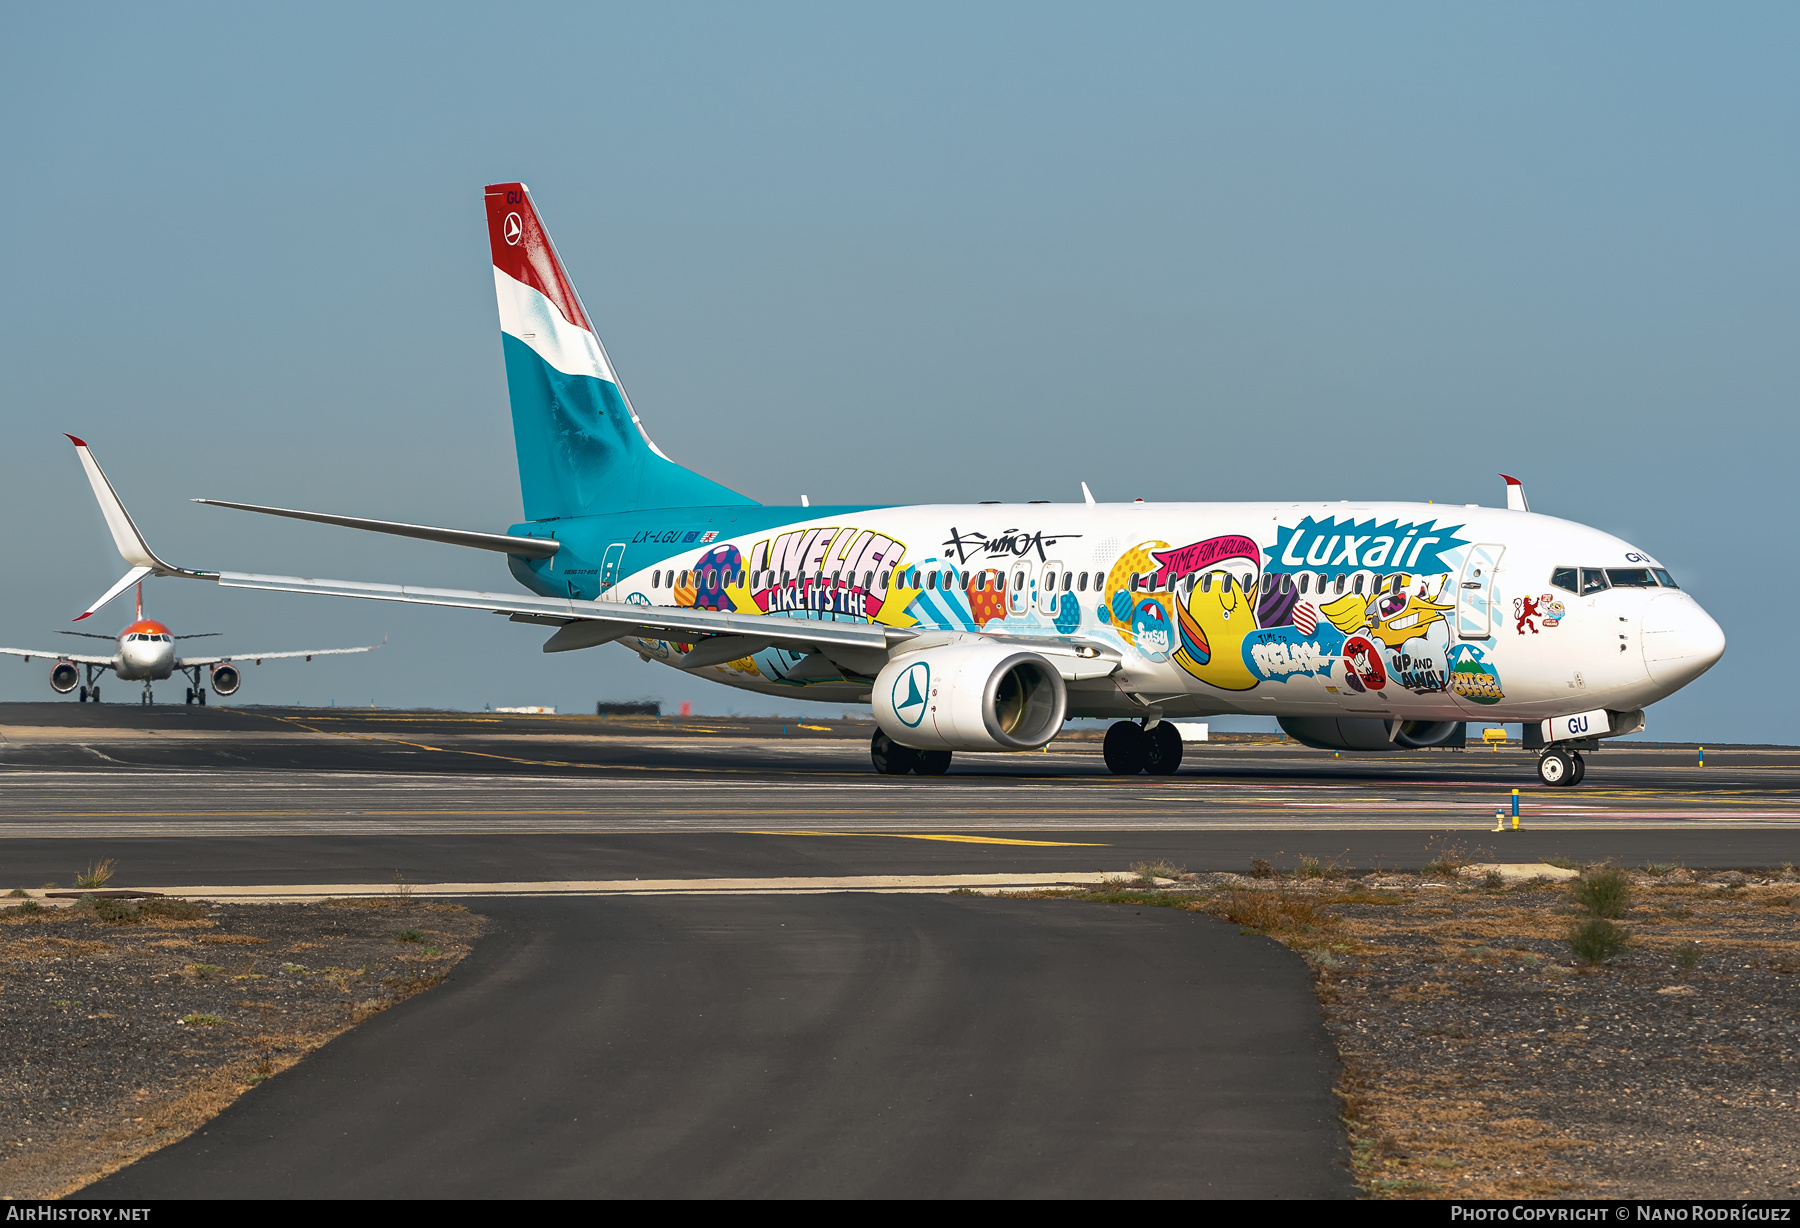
{"x": 1657, "y": 869}
{"x": 204, "y": 1021}
{"x": 96, "y": 876}
{"x": 1447, "y": 861}
{"x": 410, "y": 936}
{"x": 1493, "y": 881}
{"x": 1597, "y": 940}
{"x": 18, "y": 893}
{"x": 1603, "y": 892}
{"x": 132, "y": 912}
{"x": 1562, "y": 863}
{"x": 1149, "y": 871}
{"x": 1273, "y": 912}
{"x": 1687, "y": 956}
{"x": 31, "y": 906}
{"x": 1261, "y": 869}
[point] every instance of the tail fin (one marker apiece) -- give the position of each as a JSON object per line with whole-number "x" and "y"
{"x": 582, "y": 450}
{"x": 130, "y": 542}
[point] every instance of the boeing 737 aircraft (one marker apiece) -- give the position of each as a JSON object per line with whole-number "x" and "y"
{"x": 145, "y": 650}
{"x": 1362, "y": 626}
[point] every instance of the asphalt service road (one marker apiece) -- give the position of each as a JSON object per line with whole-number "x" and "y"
{"x": 843, "y": 1045}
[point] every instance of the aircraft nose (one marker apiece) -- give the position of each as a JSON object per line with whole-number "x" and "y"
{"x": 1681, "y": 640}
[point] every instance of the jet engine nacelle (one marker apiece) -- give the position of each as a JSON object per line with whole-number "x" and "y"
{"x": 65, "y": 676}
{"x": 1369, "y": 734}
{"x": 226, "y": 679}
{"x": 980, "y": 696}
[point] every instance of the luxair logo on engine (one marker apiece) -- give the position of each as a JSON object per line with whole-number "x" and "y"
{"x": 910, "y": 690}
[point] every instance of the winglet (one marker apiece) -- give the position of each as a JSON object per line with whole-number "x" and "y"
{"x": 130, "y": 542}
{"x": 1087, "y": 496}
{"x": 1515, "y": 494}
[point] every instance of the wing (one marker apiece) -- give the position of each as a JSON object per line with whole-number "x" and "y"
{"x": 603, "y": 620}
{"x": 79, "y": 658}
{"x": 260, "y": 657}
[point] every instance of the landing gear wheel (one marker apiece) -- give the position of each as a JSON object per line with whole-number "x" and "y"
{"x": 200, "y": 696}
{"x": 83, "y": 698}
{"x": 1164, "y": 745}
{"x": 190, "y": 697}
{"x": 891, "y": 758}
{"x": 1580, "y": 768}
{"x": 1556, "y": 768}
{"x": 1126, "y": 749}
{"x": 931, "y": 762}
{"x": 94, "y": 693}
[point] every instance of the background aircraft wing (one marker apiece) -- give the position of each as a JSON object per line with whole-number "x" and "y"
{"x": 259, "y": 657}
{"x": 52, "y": 655}
{"x": 619, "y": 618}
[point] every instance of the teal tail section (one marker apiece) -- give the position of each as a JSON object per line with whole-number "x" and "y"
{"x": 582, "y": 450}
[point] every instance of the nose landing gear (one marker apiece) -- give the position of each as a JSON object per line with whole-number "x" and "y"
{"x": 1561, "y": 768}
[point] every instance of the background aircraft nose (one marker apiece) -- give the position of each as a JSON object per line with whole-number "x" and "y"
{"x": 1681, "y": 641}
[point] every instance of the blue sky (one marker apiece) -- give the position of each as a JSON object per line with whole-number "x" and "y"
{"x": 1188, "y": 251}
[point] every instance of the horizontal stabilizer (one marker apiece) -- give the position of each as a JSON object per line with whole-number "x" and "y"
{"x": 523, "y": 547}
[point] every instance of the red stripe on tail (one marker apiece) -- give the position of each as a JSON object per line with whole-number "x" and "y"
{"x": 523, "y": 251}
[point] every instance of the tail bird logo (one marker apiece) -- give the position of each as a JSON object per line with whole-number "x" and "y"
{"x": 514, "y": 229}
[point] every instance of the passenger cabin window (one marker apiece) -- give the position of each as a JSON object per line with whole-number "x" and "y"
{"x": 887, "y": 577}
{"x": 1631, "y": 577}
{"x": 1593, "y": 580}
{"x": 1565, "y": 578}
{"x": 1340, "y": 581}
{"x": 868, "y": 579}
{"x": 1206, "y": 582}
{"x": 1132, "y": 583}
{"x": 1068, "y": 576}
{"x": 1668, "y": 581}
{"x": 1305, "y": 580}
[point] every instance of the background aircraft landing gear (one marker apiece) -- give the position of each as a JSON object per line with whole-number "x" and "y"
{"x": 83, "y": 698}
{"x": 1561, "y": 768}
{"x": 148, "y": 697}
{"x": 196, "y": 695}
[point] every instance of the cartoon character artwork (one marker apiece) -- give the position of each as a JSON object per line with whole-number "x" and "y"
{"x": 713, "y": 576}
{"x": 1545, "y": 608}
{"x": 1218, "y": 614}
{"x": 1390, "y": 617}
{"x": 1362, "y": 665}
{"x": 1150, "y": 624}
{"x": 987, "y": 600}
{"x": 1472, "y": 678}
{"x": 1525, "y": 609}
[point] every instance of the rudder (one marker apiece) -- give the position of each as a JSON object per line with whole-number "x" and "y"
{"x": 581, "y": 449}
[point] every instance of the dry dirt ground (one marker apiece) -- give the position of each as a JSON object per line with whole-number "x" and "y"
{"x": 127, "y": 1025}
{"x": 1481, "y": 1059}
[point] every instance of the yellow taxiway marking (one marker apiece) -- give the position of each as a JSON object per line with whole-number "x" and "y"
{"x": 952, "y": 838}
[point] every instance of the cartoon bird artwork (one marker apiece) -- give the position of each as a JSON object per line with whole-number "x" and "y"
{"x": 1392, "y": 618}
{"x": 1216, "y": 619}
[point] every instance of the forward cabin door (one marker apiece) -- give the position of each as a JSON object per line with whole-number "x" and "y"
{"x": 1475, "y": 592}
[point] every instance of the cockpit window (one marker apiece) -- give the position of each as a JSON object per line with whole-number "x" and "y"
{"x": 1667, "y": 580}
{"x": 1593, "y": 580}
{"x": 1631, "y": 577}
{"x": 1565, "y": 579}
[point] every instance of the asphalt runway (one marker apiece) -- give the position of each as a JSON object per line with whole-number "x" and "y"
{"x": 806, "y": 1046}
{"x": 181, "y": 795}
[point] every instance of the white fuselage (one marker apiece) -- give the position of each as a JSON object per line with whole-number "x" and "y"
{"x": 1482, "y": 613}
{"x": 145, "y": 654}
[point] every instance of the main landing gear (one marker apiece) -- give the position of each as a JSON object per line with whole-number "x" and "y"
{"x": 196, "y": 695}
{"x": 893, "y": 759}
{"x": 1131, "y": 748}
{"x": 1561, "y": 768}
{"x": 90, "y": 692}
